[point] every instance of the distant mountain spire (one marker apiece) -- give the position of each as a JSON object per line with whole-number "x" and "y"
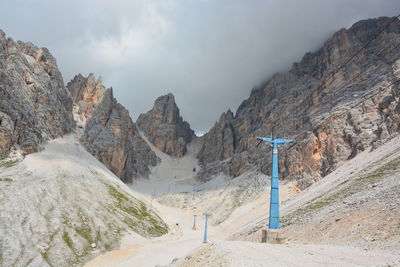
{"x": 165, "y": 128}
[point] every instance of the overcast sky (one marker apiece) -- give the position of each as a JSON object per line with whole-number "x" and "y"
{"x": 208, "y": 53}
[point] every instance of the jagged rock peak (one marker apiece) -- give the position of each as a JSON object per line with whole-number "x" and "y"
{"x": 228, "y": 115}
{"x": 166, "y": 106}
{"x": 165, "y": 128}
{"x": 34, "y": 103}
{"x": 112, "y": 137}
{"x": 86, "y": 93}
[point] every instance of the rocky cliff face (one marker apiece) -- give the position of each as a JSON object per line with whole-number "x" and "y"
{"x": 34, "y": 104}
{"x": 165, "y": 128}
{"x": 358, "y": 107}
{"x": 86, "y": 93}
{"x": 112, "y": 137}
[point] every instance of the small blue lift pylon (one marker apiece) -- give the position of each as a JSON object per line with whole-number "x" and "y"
{"x": 194, "y": 222}
{"x": 206, "y": 226}
{"x": 274, "y": 221}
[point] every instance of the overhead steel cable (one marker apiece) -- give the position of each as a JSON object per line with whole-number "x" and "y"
{"x": 381, "y": 54}
{"x": 344, "y": 112}
{"x": 368, "y": 66}
{"x": 362, "y": 72}
{"x": 331, "y": 75}
{"x": 346, "y": 84}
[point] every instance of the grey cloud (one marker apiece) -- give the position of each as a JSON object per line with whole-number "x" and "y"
{"x": 208, "y": 53}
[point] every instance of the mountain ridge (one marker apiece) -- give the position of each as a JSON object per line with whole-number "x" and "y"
{"x": 289, "y": 105}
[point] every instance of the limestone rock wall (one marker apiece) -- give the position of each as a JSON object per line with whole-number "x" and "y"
{"x": 34, "y": 103}
{"x": 165, "y": 128}
{"x": 112, "y": 137}
{"x": 86, "y": 93}
{"x": 354, "y": 110}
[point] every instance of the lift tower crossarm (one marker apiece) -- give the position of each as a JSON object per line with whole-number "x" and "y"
{"x": 275, "y": 140}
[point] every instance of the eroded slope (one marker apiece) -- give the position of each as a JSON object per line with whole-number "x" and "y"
{"x": 56, "y": 203}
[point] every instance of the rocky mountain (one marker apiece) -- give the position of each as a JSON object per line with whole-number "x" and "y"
{"x": 112, "y": 137}
{"x": 86, "y": 93}
{"x": 355, "y": 108}
{"x": 60, "y": 206}
{"x": 165, "y": 128}
{"x": 34, "y": 103}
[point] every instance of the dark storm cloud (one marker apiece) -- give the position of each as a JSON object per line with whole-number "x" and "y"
{"x": 208, "y": 53}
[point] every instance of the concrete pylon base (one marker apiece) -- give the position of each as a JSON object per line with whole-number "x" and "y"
{"x": 273, "y": 236}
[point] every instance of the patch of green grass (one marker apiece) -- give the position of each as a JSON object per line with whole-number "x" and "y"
{"x": 84, "y": 230}
{"x": 114, "y": 230}
{"x": 68, "y": 240}
{"x": 132, "y": 224}
{"x": 321, "y": 202}
{"x": 345, "y": 189}
{"x": 46, "y": 258}
{"x": 157, "y": 230}
{"x": 45, "y": 254}
{"x": 65, "y": 219}
{"x": 9, "y": 163}
{"x": 383, "y": 171}
{"x": 6, "y": 179}
{"x": 52, "y": 236}
{"x": 116, "y": 194}
{"x": 137, "y": 217}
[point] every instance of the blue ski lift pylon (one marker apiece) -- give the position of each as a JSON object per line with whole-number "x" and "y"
{"x": 274, "y": 220}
